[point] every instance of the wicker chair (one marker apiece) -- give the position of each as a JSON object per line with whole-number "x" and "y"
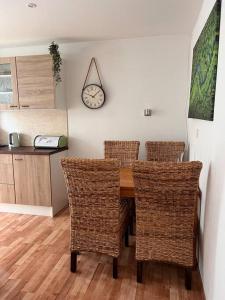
{"x": 165, "y": 151}
{"x": 99, "y": 219}
{"x": 125, "y": 151}
{"x": 166, "y": 197}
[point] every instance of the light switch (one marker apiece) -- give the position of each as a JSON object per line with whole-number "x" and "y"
{"x": 147, "y": 112}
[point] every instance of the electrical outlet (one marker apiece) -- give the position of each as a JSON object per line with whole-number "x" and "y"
{"x": 147, "y": 112}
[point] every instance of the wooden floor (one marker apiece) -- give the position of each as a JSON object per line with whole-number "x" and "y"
{"x": 34, "y": 264}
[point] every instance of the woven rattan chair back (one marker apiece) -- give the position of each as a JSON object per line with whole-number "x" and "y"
{"x": 125, "y": 151}
{"x": 94, "y": 198}
{"x": 165, "y": 151}
{"x": 166, "y": 211}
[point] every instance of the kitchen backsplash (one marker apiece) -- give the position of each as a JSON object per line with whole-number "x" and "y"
{"x": 30, "y": 123}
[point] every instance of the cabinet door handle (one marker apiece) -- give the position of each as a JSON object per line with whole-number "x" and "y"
{"x": 25, "y": 105}
{"x": 13, "y": 106}
{"x": 18, "y": 158}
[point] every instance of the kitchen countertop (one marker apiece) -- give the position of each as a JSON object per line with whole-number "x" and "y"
{"x": 29, "y": 150}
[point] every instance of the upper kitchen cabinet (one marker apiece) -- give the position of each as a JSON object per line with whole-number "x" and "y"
{"x": 8, "y": 84}
{"x": 36, "y": 85}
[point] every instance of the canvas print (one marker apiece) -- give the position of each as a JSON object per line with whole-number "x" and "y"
{"x": 204, "y": 68}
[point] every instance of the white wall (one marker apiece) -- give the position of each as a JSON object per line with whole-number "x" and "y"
{"x": 137, "y": 74}
{"x": 207, "y": 143}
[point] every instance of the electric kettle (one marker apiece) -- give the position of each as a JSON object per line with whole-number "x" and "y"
{"x": 14, "y": 140}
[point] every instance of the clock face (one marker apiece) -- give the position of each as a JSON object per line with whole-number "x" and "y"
{"x": 93, "y": 96}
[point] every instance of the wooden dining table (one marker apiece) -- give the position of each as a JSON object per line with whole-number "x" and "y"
{"x": 126, "y": 183}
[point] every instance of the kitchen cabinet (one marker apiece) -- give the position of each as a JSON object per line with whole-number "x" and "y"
{"x": 8, "y": 84}
{"x": 7, "y": 192}
{"x": 27, "y": 82}
{"x": 32, "y": 179}
{"x": 6, "y": 169}
{"x": 36, "y": 84}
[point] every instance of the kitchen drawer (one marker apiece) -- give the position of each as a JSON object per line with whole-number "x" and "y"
{"x": 6, "y": 169}
{"x": 7, "y": 193}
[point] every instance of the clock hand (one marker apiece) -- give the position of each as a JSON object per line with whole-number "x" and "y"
{"x": 96, "y": 93}
{"x": 89, "y": 95}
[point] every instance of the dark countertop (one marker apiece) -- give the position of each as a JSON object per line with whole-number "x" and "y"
{"x": 29, "y": 150}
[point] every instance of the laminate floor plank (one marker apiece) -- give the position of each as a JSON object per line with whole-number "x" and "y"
{"x": 35, "y": 264}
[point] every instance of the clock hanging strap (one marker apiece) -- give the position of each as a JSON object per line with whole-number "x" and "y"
{"x": 92, "y": 61}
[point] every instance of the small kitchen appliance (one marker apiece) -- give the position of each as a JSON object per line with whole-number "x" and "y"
{"x": 14, "y": 140}
{"x": 48, "y": 141}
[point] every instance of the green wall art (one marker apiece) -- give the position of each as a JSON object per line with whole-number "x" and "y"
{"x": 204, "y": 68}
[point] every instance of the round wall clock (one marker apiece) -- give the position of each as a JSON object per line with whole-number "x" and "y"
{"x": 93, "y": 96}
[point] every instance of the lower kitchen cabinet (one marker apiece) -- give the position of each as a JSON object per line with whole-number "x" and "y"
{"x": 32, "y": 179}
{"x": 6, "y": 169}
{"x": 7, "y": 192}
{"x": 32, "y": 183}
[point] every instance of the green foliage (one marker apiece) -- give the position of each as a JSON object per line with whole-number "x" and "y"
{"x": 204, "y": 68}
{"x": 57, "y": 61}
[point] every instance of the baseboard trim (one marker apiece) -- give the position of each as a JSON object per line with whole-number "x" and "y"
{"x": 202, "y": 286}
{"x": 26, "y": 209}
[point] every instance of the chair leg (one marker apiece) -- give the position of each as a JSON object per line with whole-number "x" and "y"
{"x": 73, "y": 262}
{"x": 188, "y": 279}
{"x": 115, "y": 267}
{"x": 131, "y": 225}
{"x": 139, "y": 271}
{"x": 127, "y": 238}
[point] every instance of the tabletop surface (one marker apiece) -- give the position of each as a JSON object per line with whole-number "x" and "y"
{"x": 126, "y": 178}
{"x": 126, "y": 183}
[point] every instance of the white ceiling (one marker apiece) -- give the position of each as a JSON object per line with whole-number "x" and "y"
{"x": 82, "y": 20}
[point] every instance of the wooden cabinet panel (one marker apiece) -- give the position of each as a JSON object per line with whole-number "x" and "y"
{"x": 32, "y": 179}
{"x": 7, "y": 193}
{"x": 36, "y": 85}
{"x": 8, "y": 84}
{"x": 6, "y": 169}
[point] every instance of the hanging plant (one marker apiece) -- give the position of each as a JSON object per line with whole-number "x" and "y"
{"x": 57, "y": 61}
